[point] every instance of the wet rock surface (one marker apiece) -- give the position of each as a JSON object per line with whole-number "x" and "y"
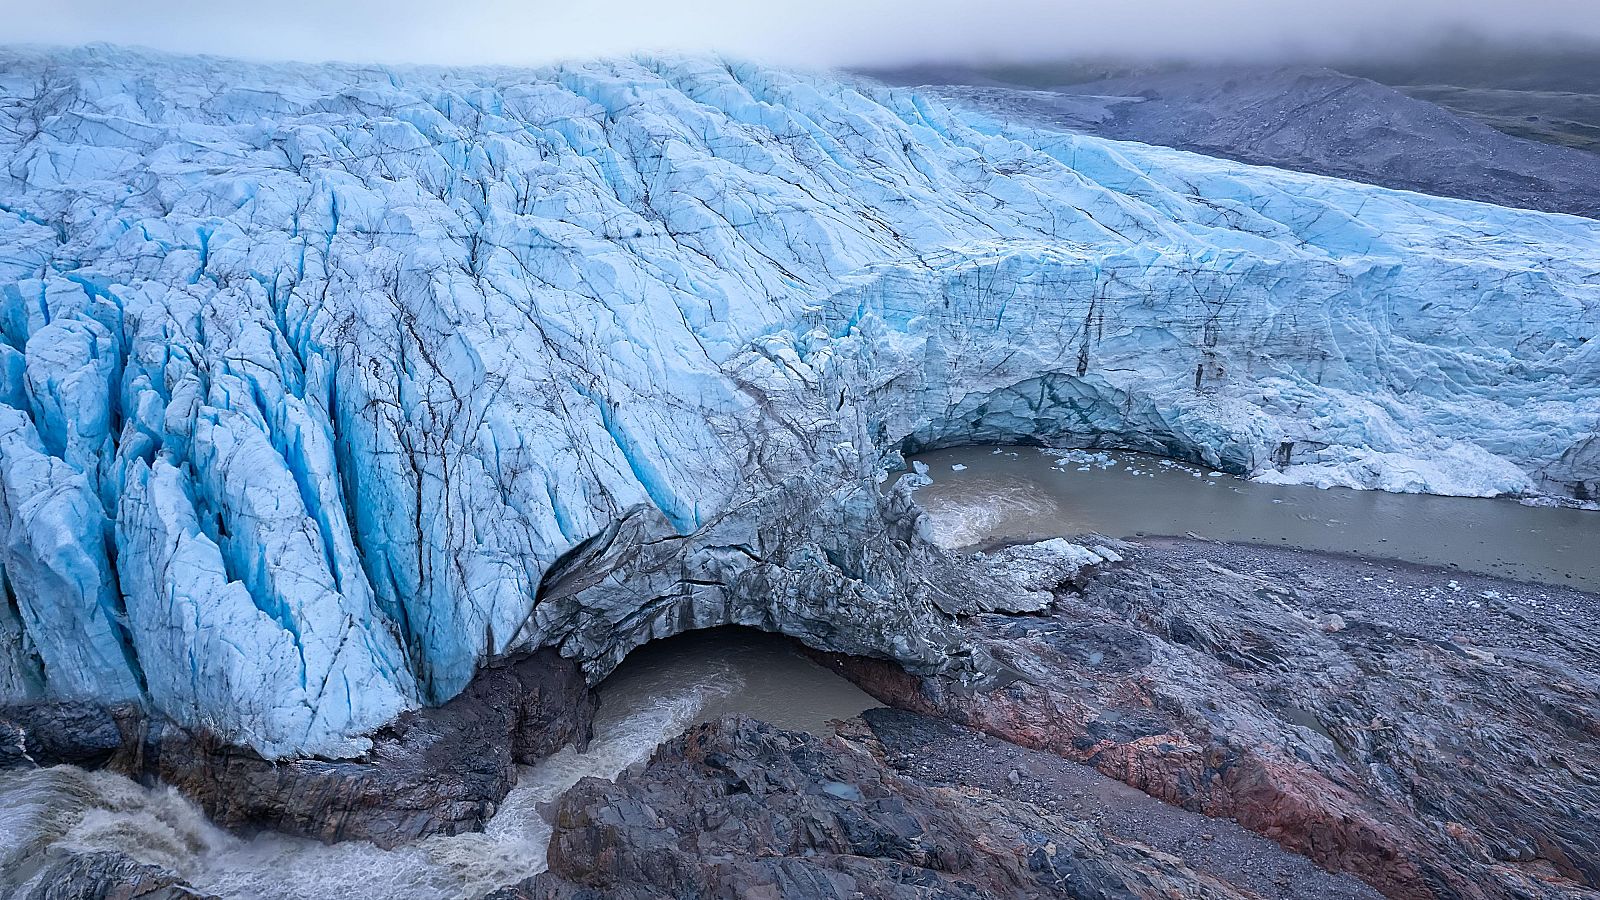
{"x": 55, "y": 733}
{"x": 105, "y": 876}
{"x": 1431, "y": 732}
{"x": 934, "y": 751}
{"x": 737, "y": 808}
{"x": 1427, "y": 732}
{"x": 434, "y": 771}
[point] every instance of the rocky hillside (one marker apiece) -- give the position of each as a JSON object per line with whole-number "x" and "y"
{"x": 1330, "y": 123}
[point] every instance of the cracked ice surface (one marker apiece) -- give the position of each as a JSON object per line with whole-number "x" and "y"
{"x": 310, "y": 375}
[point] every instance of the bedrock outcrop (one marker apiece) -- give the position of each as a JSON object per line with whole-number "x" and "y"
{"x": 104, "y": 876}
{"x": 737, "y": 808}
{"x": 938, "y": 752}
{"x": 1432, "y": 732}
{"x": 442, "y": 770}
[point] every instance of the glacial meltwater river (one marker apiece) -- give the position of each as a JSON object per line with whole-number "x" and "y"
{"x": 658, "y": 691}
{"x": 986, "y": 495}
{"x": 979, "y": 496}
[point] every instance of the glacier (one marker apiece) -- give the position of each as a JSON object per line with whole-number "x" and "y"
{"x": 321, "y": 384}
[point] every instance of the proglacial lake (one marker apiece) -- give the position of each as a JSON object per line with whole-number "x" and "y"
{"x": 989, "y": 495}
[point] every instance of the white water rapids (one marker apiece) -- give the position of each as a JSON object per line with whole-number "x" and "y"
{"x": 658, "y": 692}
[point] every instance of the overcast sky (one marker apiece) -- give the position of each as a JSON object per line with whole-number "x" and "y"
{"x": 795, "y": 32}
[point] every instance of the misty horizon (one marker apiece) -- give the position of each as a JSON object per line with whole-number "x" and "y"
{"x": 826, "y": 34}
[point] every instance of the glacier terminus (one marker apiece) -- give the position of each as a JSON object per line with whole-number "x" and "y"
{"x": 322, "y": 385}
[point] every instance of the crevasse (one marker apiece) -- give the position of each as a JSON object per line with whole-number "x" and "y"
{"x": 320, "y": 383}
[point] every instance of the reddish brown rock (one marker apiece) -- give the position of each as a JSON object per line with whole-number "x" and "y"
{"x": 1204, "y": 676}
{"x": 939, "y": 752}
{"x": 738, "y": 808}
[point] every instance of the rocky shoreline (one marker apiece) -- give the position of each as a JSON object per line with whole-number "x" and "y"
{"x": 1309, "y": 725}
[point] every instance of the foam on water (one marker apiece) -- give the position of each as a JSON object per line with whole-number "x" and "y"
{"x": 468, "y": 865}
{"x": 957, "y": 520}
{"x": 68, "y": 809}
{"x": 655, "y": 695}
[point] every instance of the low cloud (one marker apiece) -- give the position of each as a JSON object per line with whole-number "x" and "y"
{"x": 807, "y": 33}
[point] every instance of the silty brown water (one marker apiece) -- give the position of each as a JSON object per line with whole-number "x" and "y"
{"x": 984, "y": 495}
{"x": 658, "y": 691}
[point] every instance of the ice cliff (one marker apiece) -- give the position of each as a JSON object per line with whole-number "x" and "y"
{"x": 317, "y": 384}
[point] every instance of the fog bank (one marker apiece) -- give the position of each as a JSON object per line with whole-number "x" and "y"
{"x": 823, "y": 33}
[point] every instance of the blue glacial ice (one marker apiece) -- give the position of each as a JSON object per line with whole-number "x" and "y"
{"x": 319, "y": 383}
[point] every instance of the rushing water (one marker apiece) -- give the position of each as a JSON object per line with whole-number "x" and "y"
{"x": 656, "y": 693}
{"x": 984, "y": 495}
{"x": 979, "y": 496}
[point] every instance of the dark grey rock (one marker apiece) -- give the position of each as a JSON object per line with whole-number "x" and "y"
{"x": 104, "y": 876}
{"x": 442, "y": 770}
{"x": 935, "y": 751}
{"x": 738, "y": 808}
{"x": 54, "y": 733}
{"x": 844, "y": 570}
{"x": 1576, "y": 472}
